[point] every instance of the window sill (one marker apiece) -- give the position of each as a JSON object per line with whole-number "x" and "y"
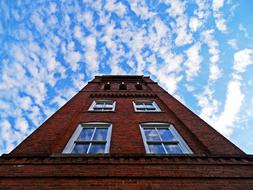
{"x": 74, "y": 155}
{"x": 94, "y": 111}
{"x": 149, "y": 112}
{"x": 119, "y": 155}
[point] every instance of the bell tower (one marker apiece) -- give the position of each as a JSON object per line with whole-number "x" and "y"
{"x": 125, "y": 132}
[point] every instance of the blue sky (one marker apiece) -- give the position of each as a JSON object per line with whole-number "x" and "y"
{"x": 199, "y": 51}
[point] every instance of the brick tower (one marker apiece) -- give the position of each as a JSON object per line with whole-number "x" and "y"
{"x": 125, "y": 132}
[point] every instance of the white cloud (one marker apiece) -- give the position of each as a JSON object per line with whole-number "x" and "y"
{"x": 50, "y": 59}
{"x": 86, "y": 18}
{"x": 52, "y": 7}
{"x": 78, "y": 81}
{"x": 194, "y": 24}
{"x": 161, "y": 28}
{"x": 38, "y": 91}
{"x": 183, "y": 37}
{"x": 172, "y": 63}
{"x": 215, "y": 72}
{"x": 58, "y": 100}
{"x": 35, "y": 115}
{"x": 168, "y": 81}
{"x": 193, "y": 60}
{"x": 219, "y": 20}
{"x": 217, "y": 4}
{"x": 244, "y": 30}
{"x": 189, "y": 88}
{"x": 22, "y": 125}
{"x": 24, "y": 102}
{"x": 177, "y": 10}
{"x": 202, "y": 12}
{"x": 209, "y": 105}
{"x": 18, "y": 54}
{"x": 242, "y": 59}
{"x": 226, "y": 120}
{"x": 213, "y": 48}
{"x": 72, "y": 57}
{"x": 91, "y": 56}
{"x": 78, "y": 32}
{"x": 221, "y": 23}
{"x": 140, "y": 9}
{"x": 234, "y": 100}
{"x": 233, "y": 43}
{"x": 119, "y": 8}
{"x": 38, "y": 22}
{"x": 176, "y": 7}
{"x": 6, "y": 133}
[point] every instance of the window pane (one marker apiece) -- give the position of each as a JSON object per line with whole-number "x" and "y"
{"x": 173, "y": 149}
{"x": 85, "y": 134}
{"x": 151, "y": 135}
{"x": 141, "y": 107}
{"x": 145, "y": 106}
{"x": 153, "y": 108}
{"x": 156, "y": 149}
{"x": 138, "y": 103}
{"x": 149, "y": 105}
{"x": 165, "y": 134}
{"x": 109, "y": 103}
{"x": 80, "y": 148}
{"x": 107, "y": 109}
{"x": 96, "y": 108}
{"x": 108, "y": 106}
{"x": 100, "y": 134}
{"x": 103, "y": 105}
{"x": 99, "y": 105}
{"x": 97, "y": 148}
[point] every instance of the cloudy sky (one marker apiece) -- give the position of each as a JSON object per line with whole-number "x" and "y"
{"x": 200, "y": 51}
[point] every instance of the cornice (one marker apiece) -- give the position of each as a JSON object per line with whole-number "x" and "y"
{"x": 134, "y": 159}
{"x": 122, "y": 94}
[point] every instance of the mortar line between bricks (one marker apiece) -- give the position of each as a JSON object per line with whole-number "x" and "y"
{"x": 159, "y": 164}
{"x": 128, "y": 177}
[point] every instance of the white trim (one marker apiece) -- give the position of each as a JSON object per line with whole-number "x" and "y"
{"x": 182, "y": 144}
{"x": 157, "y": 109}
{"x": 71, "y": 143}
{"x": 185, "y": 148}
{"x": 144, "y": 139}
{"x": 108, "y": 139}
{"x": 91, "y": 108}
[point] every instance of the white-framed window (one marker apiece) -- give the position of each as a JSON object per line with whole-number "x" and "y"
{"x": 162, "y": 138}
{"x": 90, "y": 138}
{"x": 102, "y": 105}
{"x": 146, "y": 106}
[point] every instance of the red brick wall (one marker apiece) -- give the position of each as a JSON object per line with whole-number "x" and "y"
{"x": 125, "y": 184}
{"x": 126, "y": 172}
{"x": 53, "y": 135}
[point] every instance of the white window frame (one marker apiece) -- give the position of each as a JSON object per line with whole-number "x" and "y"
{"x": 94, "y": 103}
{"x": 182, "y": 144}
{"x": 71, "y": 143}
{"x": 157, "y": 109}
